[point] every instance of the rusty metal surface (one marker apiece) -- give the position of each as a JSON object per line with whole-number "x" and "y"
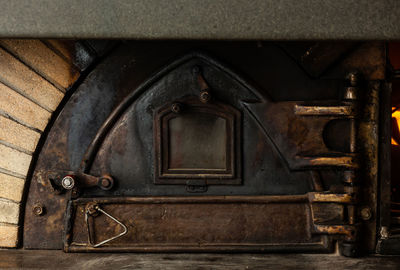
{"x": 369, "y": 59}
{"x": 317, "y": 57}
{"x": 368, "y": 136}
{"x": 385, "y": 245}
{"x": 133, "y": 122}
{"x": 329, "y": 60}
{"x": 62, "y": 181}
{"x": 197, "y": 224}
{"x": 110, "y": 117}
{"x": 70, "y": 135}
{"x": 166, "y": 173}
{"x": 180, "y": 223}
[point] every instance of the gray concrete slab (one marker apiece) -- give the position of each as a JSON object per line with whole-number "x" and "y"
{"x": 206, "y": 19}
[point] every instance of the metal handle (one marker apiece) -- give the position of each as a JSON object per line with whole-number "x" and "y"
{"x": 90, "y": 211}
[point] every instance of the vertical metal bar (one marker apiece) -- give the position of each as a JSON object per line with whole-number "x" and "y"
{"x": 316, "y": 180}
{"x": 384, "y": 166}
{"x": 385, "y": 157}
{"x": 350, "y": 177}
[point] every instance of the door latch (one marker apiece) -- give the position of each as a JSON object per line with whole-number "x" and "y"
{"x": 67, "y": 180}
{"x": 92, "y": 210}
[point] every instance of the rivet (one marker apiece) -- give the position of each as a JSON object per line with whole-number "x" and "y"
{"x": 176, "y": 108}
{"x": 38, "y": 209}
{"x": 105, "y": 182}
{"x": 196, "y": 70}
{"x": 366, "y": 213}
{"x": 205, "y": 96}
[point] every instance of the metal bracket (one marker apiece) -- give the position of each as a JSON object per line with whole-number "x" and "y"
{"x": 68, "y": 180}
{"x": 92, "y": 210}
{"x": 205, "y": 95}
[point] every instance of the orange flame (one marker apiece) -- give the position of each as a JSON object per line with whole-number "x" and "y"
{"x": 396, "y": 115}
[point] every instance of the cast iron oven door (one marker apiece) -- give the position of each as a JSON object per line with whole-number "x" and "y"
{"x": 196, "y": 158}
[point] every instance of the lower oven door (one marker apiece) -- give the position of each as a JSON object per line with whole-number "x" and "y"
{"x": 216, "y": 223}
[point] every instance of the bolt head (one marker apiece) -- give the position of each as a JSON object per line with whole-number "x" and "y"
{"x": 68, "y": 182}
{"x": 353, "y": 78}
{"x": 91, "y": 209}
{"x": 196, "y": 69}
{"x": 105, "y": 182}
{"x": 38, "y": 209}
{"x": 366, "y": 213}
{"x": 384, "y": 232}
{"x": 75, "y": 192}
{"x": 205, "y": 96}
{"x": 176, "y": 108}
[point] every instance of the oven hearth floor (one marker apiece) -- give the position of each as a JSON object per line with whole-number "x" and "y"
{"x": 24, "y": 259}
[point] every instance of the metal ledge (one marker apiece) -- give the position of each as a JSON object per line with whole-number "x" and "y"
{"x": 207, "y": 19}
{"x": 45, "y": 259}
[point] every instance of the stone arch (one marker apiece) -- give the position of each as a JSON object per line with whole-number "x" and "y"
{"x": 34, "y": 78}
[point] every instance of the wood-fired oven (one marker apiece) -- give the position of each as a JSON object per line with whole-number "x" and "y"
{"x": 217, "y": 147}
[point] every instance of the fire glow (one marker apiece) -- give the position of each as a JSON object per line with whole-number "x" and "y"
{"x": 395, "y": 126}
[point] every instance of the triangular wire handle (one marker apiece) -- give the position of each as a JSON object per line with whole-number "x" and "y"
{"x": 97, "y": 208}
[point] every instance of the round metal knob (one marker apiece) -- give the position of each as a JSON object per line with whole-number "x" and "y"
{"x": 106, "y": 182}
{"x": 68, "y": 182}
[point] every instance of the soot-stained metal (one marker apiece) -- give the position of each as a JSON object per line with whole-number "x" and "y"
{"x": 277, "y": 158}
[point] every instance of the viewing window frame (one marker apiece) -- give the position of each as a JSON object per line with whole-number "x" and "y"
{"x": 164, "y": 174}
